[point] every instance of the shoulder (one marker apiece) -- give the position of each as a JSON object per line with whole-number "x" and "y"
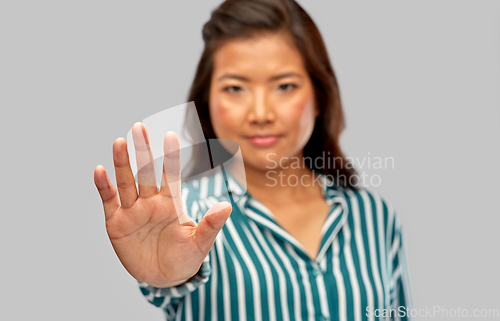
{"x": 370, "y": 208}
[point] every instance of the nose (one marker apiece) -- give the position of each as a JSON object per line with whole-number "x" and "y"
{"x": 261, "y": 111}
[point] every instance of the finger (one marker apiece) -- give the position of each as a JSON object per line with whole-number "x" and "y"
{"x": 107, "y": 191}
{"x": 211, "y": 224}
{"x": 145, "y": 161}
{"x": 125, "y": 181}
{"x": 171, "y": 178}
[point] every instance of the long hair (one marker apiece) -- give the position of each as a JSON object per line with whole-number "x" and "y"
{"x": 243, "y": 19}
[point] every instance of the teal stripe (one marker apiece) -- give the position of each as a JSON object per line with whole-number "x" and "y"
{"x": 332, "y": 287}
{"x": 231, "y": 271}
{"x": 376, "y": 236}
{"x": 385, "y": 210}
{"x": 195, "y": 301}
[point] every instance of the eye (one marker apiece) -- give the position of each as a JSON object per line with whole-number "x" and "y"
{"x": 233, "y": 89}
{"x": 287, "y": 87}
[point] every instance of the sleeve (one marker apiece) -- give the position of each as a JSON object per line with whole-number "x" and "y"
{"x": 170, "y": 298}
{"x": 400, "y": 290}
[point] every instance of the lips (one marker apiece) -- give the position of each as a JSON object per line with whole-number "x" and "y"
{"x": 264, "y": 140}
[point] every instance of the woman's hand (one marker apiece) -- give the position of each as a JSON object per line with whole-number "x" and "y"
{"x": 150, "y": 231}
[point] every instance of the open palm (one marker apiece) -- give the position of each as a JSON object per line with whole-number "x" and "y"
{"x": 151, "y": 233}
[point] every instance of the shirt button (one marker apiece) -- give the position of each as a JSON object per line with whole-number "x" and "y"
{"x": 317, "y": 271}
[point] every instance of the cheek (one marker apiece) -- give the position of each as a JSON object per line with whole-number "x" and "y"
{"x": 301, "y": 114}
{"x": 222, "y": 116}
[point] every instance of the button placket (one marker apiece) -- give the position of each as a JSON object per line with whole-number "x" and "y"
{"x": 316, "y": 269}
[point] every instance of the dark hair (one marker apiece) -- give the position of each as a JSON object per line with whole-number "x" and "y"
{"x": 242, "y": 18}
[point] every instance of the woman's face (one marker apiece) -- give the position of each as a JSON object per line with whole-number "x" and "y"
{"x": 261, "y": 96}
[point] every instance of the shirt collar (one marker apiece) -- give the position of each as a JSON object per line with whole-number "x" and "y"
{"x": 333, "y": 194}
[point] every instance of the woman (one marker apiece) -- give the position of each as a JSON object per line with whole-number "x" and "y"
{"x": 304, "y": 242}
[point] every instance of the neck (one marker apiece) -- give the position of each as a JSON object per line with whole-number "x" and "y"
{"x": 281, "y": 183}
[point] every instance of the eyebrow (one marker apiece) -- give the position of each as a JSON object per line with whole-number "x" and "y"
{"x": 274, "y": 78}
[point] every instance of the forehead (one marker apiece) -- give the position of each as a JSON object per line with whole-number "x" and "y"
{"x": 262, "y": 54}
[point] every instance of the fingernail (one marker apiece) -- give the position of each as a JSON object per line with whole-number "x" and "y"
{"x": 218, "y": 207}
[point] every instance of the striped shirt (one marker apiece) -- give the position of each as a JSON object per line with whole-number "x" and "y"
{"x": 257, "y": 271}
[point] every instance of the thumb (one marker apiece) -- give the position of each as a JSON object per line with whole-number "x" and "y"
{"x": 211, "y": 223}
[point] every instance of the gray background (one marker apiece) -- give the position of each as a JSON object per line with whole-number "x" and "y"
{"x": 419, "y": 82}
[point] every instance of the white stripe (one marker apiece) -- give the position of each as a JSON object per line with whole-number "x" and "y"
{"x": 322, "y": 264}
{"x": 188, "y": 307}
{"x": 261, "y": 207}
{"x": 195, "y": 212}
{"x": 203, "y": 187}
{"x": 169, "y": 312}
{"x": 166, "y": 303}
{"x": 213, "y": 294}
{"x": 305, "y": 280}
{"x": 174, "y": 292}
{"x": 184, "y": 195}
{"x": 291, "y": 271}
{"x": 267, "y": 274}
{"x": 396, "y": 274}
{"x": 395, "y": 247}
{"x": 201, "y": 295}
{"x": 225, "y": 278}
{"x": 323, "y": 297}
{"x": 352, "y": 272}
{"x": 202, "y": 207}
{"x": 218, "y": 184}
{"x": 279, "y": 270}
{"x": 251, "y": 267}
{"x": 382, "y": 245}
{"x": 190, "y": 286}
{"x": 179, "y": 309}
{"x": 340, "y": 281}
